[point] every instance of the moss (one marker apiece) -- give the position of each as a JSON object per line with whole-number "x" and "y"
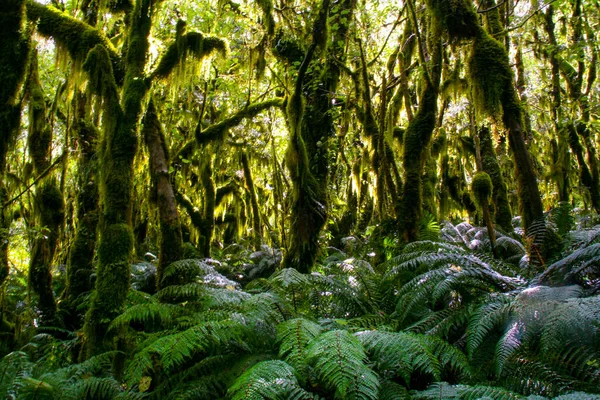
{"x": 416, "y": 139}
{"x": 457, "y": 17}
{"x": 218, "y": 130}
{"x": 77, "y": 37}
{"x": 193, "y": 44}
{"x": 482, "y": 188}
{"x": 490, "y": 74}
{"x": 266, "y": 7}
{"x": 112, "y": 285}
{"x": 14, "y": 53}
{"x": 502, "y": 211}
{"x": 287, "y": 48}
{"x": 50, "y": 212}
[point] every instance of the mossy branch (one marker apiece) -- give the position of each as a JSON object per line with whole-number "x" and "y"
{"x": 192, "y": 43}
{"x": 218, "y": 130}
{"x": 77, "y": 37}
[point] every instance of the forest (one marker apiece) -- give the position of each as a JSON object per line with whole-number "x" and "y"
{"x": 299, "y": 199}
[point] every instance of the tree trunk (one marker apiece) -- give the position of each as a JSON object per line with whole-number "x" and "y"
{"x": 170, "y": 228}
{"x": 81, "y": 254}
{"x": 49, "y": 208}
{"x": 14, "y": 42}
{"x": 256, "y": 224}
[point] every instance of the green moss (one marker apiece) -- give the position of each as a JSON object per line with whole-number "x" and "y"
{"x": 77, "y": 37}
{"x": 482, "y": 188}
{"x": 490, "y": 75}
{"x": 287, "y": 48}
{"x": 416, "y": 139}
{"x": 14, "y": 53}
{"x": 457, "y": 17}
{"x": 193, "y": 44}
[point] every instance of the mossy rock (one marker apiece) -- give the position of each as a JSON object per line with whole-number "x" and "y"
{"x": 482, "y": 188}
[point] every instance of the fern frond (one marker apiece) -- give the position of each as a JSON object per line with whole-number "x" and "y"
{"x": 13, "y": 366}
{"x": 389, "y": 390}
{"x": 401, "y": 354}
{"x": 293, "y": 337}
{"x": 574, "y": 323}
{"x": 339, "y": 362}
{"x": 559, "y": 270}
{"x": 486, "y": 392}
{"x": 265, "y": 380}
{"x": 489, "y": 316}
{"x": 173, "y": 350}
{"x": 578, "y": 396}
{"x": 159, "y": 314}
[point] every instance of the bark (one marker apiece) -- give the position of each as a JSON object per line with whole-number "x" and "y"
{"x": 170, "y": 228}
{"x": 256, "y": 224}
{"x": 48, "y": 207}
{"x": 14, "y": 52}
{"x": 81, "y": 254}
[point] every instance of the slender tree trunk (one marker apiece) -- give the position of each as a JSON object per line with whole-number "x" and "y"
{"x": 49, "y": 208}
{"x": 256, "y": 224}
{"x": 210, "y": 191}
{"x": 81, "y": 254}
{"x": 311, "y": 129}
{"x": 170, "y": 228}
{"x": 416, "y": 140}
{"x": 489, "y": 159}
{"x": 14, "y": 53}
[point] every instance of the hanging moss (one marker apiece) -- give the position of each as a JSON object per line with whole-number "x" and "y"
{"x": 268, "y": 21}
{"x": 490, "y": 73}
{"x": 218, "y": 130}
{"x": 287, "y": 48}
{"x": 72, "y": 34}
{"x": 482, "y": 188}
{"x": 457, "y": 17}
{"x": 193, "y": 44}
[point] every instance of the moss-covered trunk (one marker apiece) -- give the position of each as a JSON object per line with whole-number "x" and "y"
{"x": 119, "y": 146}
{"x": 417, "y": 139}
{"x": 502, "y": 213}
{"x": 81, "y": 252}
{"x": 14, "y": 52}
{"x": 48, "y": 207}
{"x": 311, "y": 130}
{"x": 256, "y": 223}
{"x": 170, "y": 229}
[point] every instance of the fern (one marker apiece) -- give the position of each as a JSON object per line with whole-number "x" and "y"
{"x": 293, "y": 337}
{"x": 146, "y": 314}
{"x": 402, "y": 354}
{"x": 266, "y": 380}
{"x": 339, "y": 363}
{"x": 173, "y": 350}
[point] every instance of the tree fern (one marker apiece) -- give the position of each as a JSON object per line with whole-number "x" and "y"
{"x": 339, "y": 362}
{"x": 293, "y": 337}
{"x": 402, "y": 354}
{"x": 267, "y": 380}
{"x": 173, "y": 350}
